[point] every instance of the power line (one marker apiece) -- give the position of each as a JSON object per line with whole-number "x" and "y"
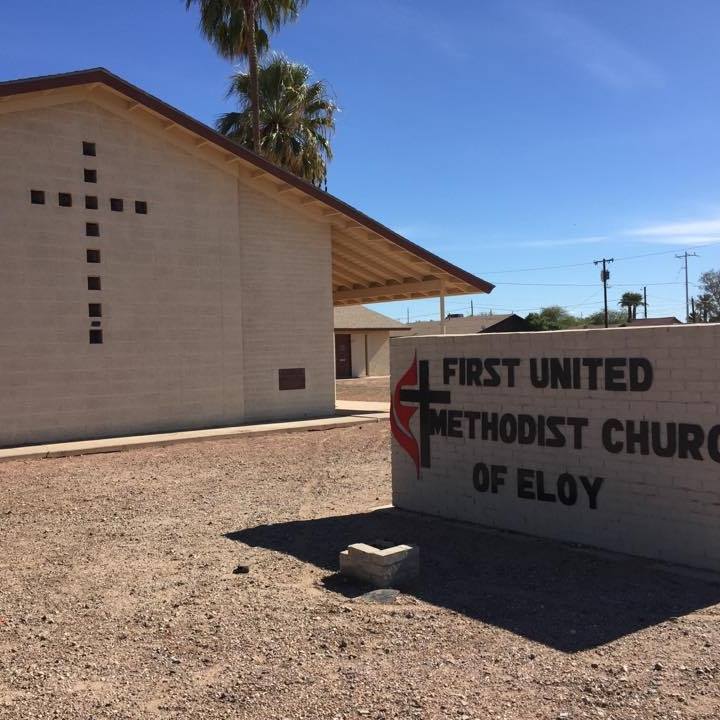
{"x": 536, "y": 269}
{"x": 617, "y": 282}
{"x": 582, "y": 264}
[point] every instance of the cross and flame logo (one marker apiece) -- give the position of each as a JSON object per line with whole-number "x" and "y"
{"x": 417, "y": 375}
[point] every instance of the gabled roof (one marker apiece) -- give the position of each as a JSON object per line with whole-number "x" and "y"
{"x": 371, "y": 263}
{"x": 358, "y": 317}
{"x": 458, "y": 326}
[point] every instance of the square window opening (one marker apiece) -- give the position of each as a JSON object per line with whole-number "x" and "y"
{"x": 89, "y": 149}
{"x": 96, "y": 337}
{"x": 94, "y": 310}
{"x": 141, "y": 207}
{"x": 91, "y": 202}
{"x": 92, "y": 229}
{"x": 64, "y": 199}
{"x": 93, "y": 282}
{"x": 116, "y": 204}
{"x": 37, "y": 197}
{"x": 90, "y": 175}
{"x": 93, "y": 256}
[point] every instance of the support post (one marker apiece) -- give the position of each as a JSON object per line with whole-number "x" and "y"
{"x": 442, "y": 309}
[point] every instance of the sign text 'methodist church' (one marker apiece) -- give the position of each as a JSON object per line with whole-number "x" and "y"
{"x": 609, "y": 438}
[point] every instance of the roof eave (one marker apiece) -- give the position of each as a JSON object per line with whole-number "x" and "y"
{"x": 105, "y": 77}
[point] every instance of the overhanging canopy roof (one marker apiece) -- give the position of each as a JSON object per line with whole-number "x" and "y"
{"x": 371, "y": 263}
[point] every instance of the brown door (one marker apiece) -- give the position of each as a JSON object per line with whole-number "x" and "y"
{"x": 343, "y": 359}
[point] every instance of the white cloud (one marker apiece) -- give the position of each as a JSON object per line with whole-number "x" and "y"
{"x": 681, "y": 240}
{"x": 683, "y": 233}
{"x": 598, "y": 53}
{"x": 592, "y": 240}
{"x": 677, "y": 229}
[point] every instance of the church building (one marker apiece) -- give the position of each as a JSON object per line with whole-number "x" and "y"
{"x": 156, "y": 276}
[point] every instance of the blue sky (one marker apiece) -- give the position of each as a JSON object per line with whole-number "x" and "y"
{"x": 504, "y": 135}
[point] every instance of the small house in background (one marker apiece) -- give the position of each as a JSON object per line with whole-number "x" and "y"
{"x": 652, "y": 322}
{"x": 362, "y": 341}
{"x": 472, "y": 324}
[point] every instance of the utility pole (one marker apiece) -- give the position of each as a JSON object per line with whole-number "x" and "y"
{"x": 472, "y": 308}
{"x": 685, "y": 257}
{"x": 692, "y": 304}
{"x": 645, "y": 302}
{"x": 605, "y": 276}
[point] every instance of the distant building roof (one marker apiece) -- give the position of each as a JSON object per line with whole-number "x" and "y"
{"x": 357, "y": 317}
{"x": 469, "y": 325}
{"x": 648, "y": 322}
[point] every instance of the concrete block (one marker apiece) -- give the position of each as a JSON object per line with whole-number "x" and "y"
{"x": 383, "y": 565}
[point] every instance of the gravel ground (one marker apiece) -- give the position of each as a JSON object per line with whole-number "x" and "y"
{"x": 372, "y": 388}
{"x": 118, "y": 599}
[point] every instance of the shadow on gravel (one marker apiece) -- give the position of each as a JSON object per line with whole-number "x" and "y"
{"x": 550, "y": 593}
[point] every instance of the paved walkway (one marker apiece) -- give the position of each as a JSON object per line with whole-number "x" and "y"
{"x": 349, "y": 413}
{"x": 361, "y": 406}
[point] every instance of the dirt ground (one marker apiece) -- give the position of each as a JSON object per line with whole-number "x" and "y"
{"x": 372, "y": 388}
{"x": 118, "y": 599}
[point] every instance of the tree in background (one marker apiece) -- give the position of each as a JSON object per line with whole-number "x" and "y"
{"x": 552, "y": 318}
{"x": 240, "y": 29}
{"x": 615, "y": 317}
{"x": 707, "y": 304}
{"x": 703, "y": 308}
{"x": 631, "y": 300}
{"x": 297, "y": 118}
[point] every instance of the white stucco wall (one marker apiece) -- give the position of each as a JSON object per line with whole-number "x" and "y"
{"x": 379, "y": 353}
{"x": 370, "y": 353}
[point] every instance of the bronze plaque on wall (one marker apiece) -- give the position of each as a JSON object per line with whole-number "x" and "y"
{"x": 292, "y": 378}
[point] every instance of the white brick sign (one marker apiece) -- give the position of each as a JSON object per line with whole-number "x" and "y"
{"x": 609, "y": 438}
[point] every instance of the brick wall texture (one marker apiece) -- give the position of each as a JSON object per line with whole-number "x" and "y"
{"x": 665, "y": 507}
{"x": 204, "y": 298}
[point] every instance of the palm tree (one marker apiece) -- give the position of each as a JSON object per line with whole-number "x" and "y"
{"x": 239, "y": 29}
{"x": 297, "y": 117}
{"x": 631, "y": 300}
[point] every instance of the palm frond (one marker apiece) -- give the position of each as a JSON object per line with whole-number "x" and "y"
{"x": 297, "y": 117}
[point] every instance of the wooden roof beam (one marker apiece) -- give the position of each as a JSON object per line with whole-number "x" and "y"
{"x": 368, "y": 270}
{"x": 365, "y": 294}
{"x": 348, "y": 274}
{"x": 387, "y": 266}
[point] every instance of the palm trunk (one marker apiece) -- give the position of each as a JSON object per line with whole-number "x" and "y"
{"x": 253, "y": 70}
{"x": 629, "y": 313}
